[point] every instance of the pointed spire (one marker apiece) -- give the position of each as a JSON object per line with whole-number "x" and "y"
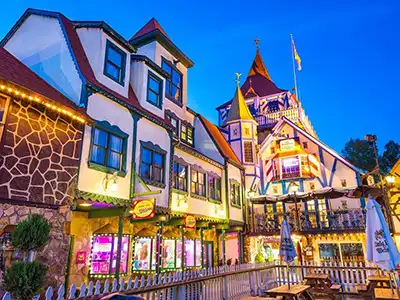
{"x": 239, "y": 109}
{"x": 258, "y": 66}
{"x": 149, "y": 27}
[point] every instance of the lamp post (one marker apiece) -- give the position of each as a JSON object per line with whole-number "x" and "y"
{"x": 294, "y": 187}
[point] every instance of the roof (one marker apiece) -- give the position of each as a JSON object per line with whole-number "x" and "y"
{"x": 150, "y": 26}
{"x": 258, "y": 81}
{"x": 219, "y": 140}
{"x": 239, "y": 109}
{"x": 311, "y": 138}
{"x": 153, "y": 31}
{"x": 16, "y": 72}
{"x": 83, "y": 65}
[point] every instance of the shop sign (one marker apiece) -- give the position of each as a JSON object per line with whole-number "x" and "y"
{"x": 80, "y": 257}
{"x": 189, "y": 221}
{"x": 287, "y": 145}
{"x": 143, "y": 209}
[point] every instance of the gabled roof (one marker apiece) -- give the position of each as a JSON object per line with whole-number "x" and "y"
{"x": 83, "y": 66}
{"x": 150, "y": 26}
{"x": 239, "y": 109}
{"x": 279, "y": 125}
{"x": 15, "y": 72}
{"x": 220, "y": 141}
{"x": 153, "y": 31}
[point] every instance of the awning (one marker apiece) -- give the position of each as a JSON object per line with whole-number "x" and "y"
{"x": 329, "y": 192}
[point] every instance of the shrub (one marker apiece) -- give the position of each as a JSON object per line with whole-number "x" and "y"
{"x": 31, "y": 233}
{"x": 25, "y": 280}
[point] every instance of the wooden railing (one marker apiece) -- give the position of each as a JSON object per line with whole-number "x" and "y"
{"x": 329, "y": 221}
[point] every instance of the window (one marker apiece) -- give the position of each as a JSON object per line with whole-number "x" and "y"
{"x": 187, "y": 134}
{"x": 174, "y": 122}
{"x": 115, "y": 61}
{"x": 305, "y": 145}
{"x": 108, "y": 149}
{"x": 341, "y": 252}
{"x": 180, "y": 177}
{"x": 248, "y": 152}
{"x": 154, "y": 90}
{"x": 173, "y": 87}
{"x": 290, "y": 167}
{"x": 152, "y": 165}
{"x": 214, "y": 188}
{"x": 235, "y": 194}
{"x": 104, "y": 254}
{"x": 3, "y": 111}
{"x": 344, "y": 182}
{"x": 198, "y": 186}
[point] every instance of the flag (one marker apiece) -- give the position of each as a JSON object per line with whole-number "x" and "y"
{"x": 296, "y": 55}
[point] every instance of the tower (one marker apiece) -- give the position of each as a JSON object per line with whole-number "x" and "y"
{"x": 241, "y": 130}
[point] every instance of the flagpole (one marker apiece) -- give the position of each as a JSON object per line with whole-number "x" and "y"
{"x": 294, "y": 67}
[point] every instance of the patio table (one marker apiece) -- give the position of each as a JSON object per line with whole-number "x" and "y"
{"x": 385, "y": 294}
{"x": 294, "y": 293}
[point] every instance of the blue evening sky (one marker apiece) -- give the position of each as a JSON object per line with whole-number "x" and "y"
{"x": 349, "y": 50}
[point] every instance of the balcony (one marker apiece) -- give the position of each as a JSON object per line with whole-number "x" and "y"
{"x": 310, "y": 222}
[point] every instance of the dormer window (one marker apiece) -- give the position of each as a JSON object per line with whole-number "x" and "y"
{"x": 173, "y": 87}
{"x": 154, "y": 90}
{"x": 115, "y": 62}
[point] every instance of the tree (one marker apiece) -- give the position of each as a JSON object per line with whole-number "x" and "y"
{"x": 390, "y": 156}
{"x": 360, "y": 153}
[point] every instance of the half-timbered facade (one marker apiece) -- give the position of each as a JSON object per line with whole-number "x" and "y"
{"x": 291, "y": 174}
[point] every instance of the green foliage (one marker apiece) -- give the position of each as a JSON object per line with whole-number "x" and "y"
{"x": 24, "y": 280}
{"x": 360, "y": 153}
{"x": 390, "y": 156}
{"x": 31, "y": 233}
{"x": 259, "y": 258}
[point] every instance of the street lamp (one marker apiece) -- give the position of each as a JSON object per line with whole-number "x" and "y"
{"x": 390, "y": 179}
{"x": 294, "y": 188}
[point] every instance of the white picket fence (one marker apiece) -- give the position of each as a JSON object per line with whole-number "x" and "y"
{"x": 228, "y": 282}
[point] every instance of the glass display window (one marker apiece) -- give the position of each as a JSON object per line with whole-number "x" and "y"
{"x": 179, "y": 253}
{"x": 144, "y": 254}
{"x": 189, "y": 253}
{"x": 169, "y": 254}
{"x": 104, "y": 254}
{"x": 198, "y": 252}
{"x": 341, "y": 252}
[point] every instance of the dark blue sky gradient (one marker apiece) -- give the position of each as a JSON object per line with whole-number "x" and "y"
{"x": 350, "y": 52}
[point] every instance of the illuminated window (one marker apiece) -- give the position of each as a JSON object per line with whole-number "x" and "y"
{"x": 198, "y": 186}
{"x": 104, "y": 254}
{"x": 144, "y": 254}
{"x": 173, "y": 86}
{"x": 180, "y": 177}
{"x": 187, "y": 134}
{"x": 290, "y": 167}
{"x": 175, "y": 124}
{"x": 248, "y": 152}
{"x": 115, "y": 61}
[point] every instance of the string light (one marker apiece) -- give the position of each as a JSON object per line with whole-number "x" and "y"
{"x": 37, "y": 99}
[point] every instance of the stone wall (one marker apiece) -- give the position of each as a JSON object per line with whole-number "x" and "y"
{"x": 39, "y": 154}
{"x": 55, "y": 253}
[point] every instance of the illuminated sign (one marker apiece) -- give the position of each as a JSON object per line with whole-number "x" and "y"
{"x": 189, "y": 221}
{"x": 287, "y": 145}
{"x": 143, "y": 209}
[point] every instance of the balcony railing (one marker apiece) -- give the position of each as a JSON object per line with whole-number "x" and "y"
{"x": 329, "y": 221}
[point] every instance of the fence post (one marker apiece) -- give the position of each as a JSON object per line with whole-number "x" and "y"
{"x": 226, "y": 291}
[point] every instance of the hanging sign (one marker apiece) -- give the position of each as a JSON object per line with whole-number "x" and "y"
{"x": 189, "y": 221}
{"x": 143, "y": 209}
{"x": 287, "y": 145}
{"x": 80, "y": 257}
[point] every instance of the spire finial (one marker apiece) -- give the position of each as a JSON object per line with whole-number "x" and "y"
{"x": 257, "y": 42}
{"x": 238, "y": 78}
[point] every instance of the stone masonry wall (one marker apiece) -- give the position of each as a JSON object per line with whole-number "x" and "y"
{"x": 39, "y": 155}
